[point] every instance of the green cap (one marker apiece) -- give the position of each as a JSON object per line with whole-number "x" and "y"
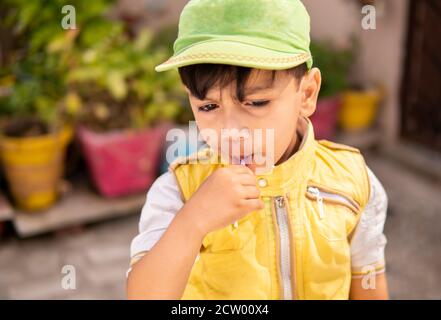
{"x": 262, "y": 34}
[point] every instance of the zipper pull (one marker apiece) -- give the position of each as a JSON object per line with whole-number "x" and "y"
{"x": 315, "y": 191}
{"x": 280, "y": 202}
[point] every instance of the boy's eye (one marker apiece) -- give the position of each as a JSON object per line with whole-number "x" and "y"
{"x": 259, "y": 103}
{"x": 208, "y": 107}
{"x": 212, "y": 106}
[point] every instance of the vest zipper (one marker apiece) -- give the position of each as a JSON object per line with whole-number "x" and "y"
{"x": 284, "y": 240}
{"x": 320, "y": 195}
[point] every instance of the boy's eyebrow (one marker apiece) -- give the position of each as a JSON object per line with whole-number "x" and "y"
{"x": 251, "y": 90}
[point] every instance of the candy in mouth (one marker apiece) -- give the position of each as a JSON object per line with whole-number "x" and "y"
{"x": 243, "y": 160}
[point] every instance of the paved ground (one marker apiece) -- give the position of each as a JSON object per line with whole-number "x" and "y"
{"x": 32, "y": 268}
{"x": 413, "y": 229}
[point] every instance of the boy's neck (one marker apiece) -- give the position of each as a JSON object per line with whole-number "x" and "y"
{"x": 292, "y": 148}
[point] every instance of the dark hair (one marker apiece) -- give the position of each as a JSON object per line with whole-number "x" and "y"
{"x": 200, "y": 78}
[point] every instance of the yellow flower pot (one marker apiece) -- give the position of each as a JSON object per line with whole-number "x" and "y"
{"x": 34, "y": 166}
{"x": 359, "y": 109}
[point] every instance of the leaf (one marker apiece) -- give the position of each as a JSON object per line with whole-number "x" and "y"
{"x": 101, "y": 111}
{"x": 85, "y": 74}
{"x": 90, "y": 56}
{"x": 117, "y": 85}
{"x": 143, "y": 40}
{"x": 73, "y": 103}
{"x": 170, "y": 110}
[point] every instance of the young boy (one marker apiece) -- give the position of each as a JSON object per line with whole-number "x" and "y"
{"x": 310, "y": 227}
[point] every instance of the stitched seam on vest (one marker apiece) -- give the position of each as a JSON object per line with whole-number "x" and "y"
{"x": 367, "y": 180}
{"x": 335, "y": 202}
{"x": 336, "y": 191}
{"x": 292, "y": 249}
{"x": 181, "y": 192}
{"x": 366, "y": 200}
{"x": 277, "y": 241}
{"x": 337, "y": 146}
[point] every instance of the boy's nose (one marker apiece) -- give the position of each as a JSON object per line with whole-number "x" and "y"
{"x": 237, "y": 142}
{"x": 235, "y": 136}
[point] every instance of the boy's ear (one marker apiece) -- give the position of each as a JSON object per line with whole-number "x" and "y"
{"x": 309, "y": 90}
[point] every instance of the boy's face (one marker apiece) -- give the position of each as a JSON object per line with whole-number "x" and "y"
{"x": 264, "y": 125}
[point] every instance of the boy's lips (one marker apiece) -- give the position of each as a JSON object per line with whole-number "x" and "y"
{"x": 248, "y": 159}
{"x": 244, "y": 159}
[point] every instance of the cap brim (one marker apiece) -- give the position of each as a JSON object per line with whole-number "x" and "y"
{"x": 235, "y": 53}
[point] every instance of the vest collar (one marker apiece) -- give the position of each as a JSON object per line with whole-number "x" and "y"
{"x": 295, "y": 170}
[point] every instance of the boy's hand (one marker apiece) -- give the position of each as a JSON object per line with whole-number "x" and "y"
{"x": 227, "y": 195}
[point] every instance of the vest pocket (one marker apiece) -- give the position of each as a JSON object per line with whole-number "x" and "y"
{"x": 329, "y": 210}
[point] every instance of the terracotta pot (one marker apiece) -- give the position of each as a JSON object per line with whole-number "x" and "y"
{"x": 123, "y": 162}
{"x": 325, "y": 118}
{"x": 34, "y": 166}
{"x": 359, "y": 109}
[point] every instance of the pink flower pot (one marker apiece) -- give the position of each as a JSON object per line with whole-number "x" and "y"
{"x": 325, "y": 118}
{"x": 123, "y": 162}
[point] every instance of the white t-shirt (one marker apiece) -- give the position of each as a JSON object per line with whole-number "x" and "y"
{"x": 367, "y": 245}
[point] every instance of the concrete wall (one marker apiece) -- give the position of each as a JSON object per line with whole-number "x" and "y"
{"x": 382, "y": 51}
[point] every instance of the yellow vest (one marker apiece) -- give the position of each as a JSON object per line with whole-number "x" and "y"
{"x": 297, "y": 247}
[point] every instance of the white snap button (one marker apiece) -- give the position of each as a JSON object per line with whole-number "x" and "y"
{"x": 262, "y": 182}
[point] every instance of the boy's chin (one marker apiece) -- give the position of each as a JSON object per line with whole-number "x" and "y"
{"x": 261, "y": 169}
{"x": 254, "y": 164}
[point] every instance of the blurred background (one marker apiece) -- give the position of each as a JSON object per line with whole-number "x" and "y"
{"x": 83, "y": 118}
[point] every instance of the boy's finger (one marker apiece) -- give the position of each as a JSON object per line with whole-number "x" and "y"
{"x": 248, "y": 180}
{"x": 240, "y": 168}
{"x": 250, "y": 192}
{"x": 253, "y": 204}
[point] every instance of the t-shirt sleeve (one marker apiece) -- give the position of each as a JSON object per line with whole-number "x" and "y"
{"x": 368, "y": 241}
{"x": 163, "y": 201}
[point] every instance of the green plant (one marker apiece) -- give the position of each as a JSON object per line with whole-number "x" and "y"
{"x": 97, "y": 74}
{"x": 37, "y": 24}
{"x": 35, "y": 88}
{"x": 334, "y": 65}
{"x": 114, "y": 83}
{"x": 32, "y": 79}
